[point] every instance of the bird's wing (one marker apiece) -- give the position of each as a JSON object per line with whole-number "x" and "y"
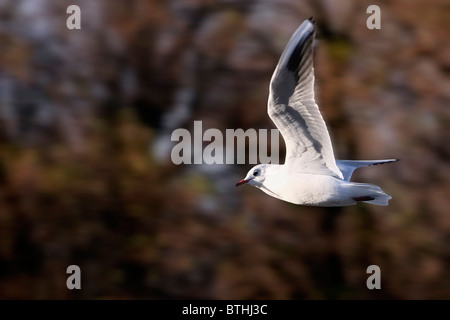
{"x": 294, "y": 111}
{"x": 348, "y": 166}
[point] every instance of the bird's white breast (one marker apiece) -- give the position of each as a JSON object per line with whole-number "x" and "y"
{"x": 303, "y": 188}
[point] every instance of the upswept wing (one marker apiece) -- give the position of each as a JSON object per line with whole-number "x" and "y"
{"x": 294, "y": 111}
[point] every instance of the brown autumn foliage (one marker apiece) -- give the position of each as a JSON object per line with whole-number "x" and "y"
{"x": 85, "y": 170}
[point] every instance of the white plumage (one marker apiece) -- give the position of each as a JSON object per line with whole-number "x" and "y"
{"x": 310, "y": 174}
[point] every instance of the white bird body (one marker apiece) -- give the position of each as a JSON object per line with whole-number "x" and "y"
{"x": 302, "y": 188}
{"x": 314, "y": 189}
{"x": 310, "y": 175}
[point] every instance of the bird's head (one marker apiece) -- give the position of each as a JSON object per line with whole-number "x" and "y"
{"x": 255, "y": 176}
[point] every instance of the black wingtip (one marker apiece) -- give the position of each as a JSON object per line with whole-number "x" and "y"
{"x": 302, "y": 47}
{"x": 388, "y": 161}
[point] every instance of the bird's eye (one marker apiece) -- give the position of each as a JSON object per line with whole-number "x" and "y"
{"x": 255, "y": 173}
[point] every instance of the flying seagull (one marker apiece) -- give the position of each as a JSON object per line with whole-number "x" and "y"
{"x": 310, "y": 174}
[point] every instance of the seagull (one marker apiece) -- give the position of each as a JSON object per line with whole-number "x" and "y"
{"x": 310, "y": 175}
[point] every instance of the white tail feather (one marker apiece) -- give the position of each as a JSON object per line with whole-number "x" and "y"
{"x": 366, "y": 190}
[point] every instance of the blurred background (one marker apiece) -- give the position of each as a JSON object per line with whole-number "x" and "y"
{"x": 85, "y": 171}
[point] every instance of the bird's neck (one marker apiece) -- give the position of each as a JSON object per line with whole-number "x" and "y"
{"x": 273, "y": 169}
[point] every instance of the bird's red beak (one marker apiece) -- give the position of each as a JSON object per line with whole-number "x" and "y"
{"x": 243, "y": 181}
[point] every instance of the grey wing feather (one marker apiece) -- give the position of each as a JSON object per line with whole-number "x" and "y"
{"x": 294, "y": 111}
{"x": 348, "y": 166}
